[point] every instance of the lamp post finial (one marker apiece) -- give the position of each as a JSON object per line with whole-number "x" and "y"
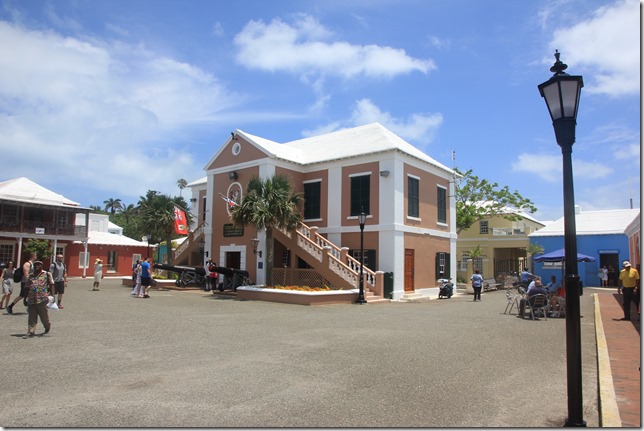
{"x": 559, "y": 67}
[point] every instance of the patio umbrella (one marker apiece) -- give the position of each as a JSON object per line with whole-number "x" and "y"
{"x": 560, "y": 256}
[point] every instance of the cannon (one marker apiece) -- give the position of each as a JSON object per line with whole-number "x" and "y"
{"x": 233, "y": 278}
{"x": 187, "y": 274}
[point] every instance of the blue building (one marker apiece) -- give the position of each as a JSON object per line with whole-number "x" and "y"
{"x": 600, "y": 234}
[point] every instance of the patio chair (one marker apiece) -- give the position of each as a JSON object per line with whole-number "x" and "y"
{"x": 538, "y": 303}
{"x": 513, "y": 300}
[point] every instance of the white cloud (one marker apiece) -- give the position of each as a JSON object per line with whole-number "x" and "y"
{"x": 606, "y": 44}
{"x": 110, "y": 116}
{"x": 439, "y": 43}
{"x": 549, "y": 167}
{"x": 304, "y": 48}
{"x": 218, "y": 29}
{"x": 417, "y": 128}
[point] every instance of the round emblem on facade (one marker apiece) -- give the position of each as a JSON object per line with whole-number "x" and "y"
{"x": 234, "y": 195}
{"x": 236, "y": 148}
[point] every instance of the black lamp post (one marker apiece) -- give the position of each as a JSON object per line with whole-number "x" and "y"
{"x": 562, "y": 92}
{"x": 361, "y": 218}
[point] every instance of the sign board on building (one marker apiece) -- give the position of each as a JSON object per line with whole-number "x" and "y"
{"x": 231, "y": 230}
{"x": 40, "y": 231}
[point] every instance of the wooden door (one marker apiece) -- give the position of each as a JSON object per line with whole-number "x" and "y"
{"x": 233, "y": 259}
{"x": 409, "y": 270}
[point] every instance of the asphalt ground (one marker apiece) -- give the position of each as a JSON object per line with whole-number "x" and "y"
{"x": 193, "y": 359}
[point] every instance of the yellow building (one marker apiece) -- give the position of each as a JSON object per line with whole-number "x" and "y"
{"x": 495, "y": 245}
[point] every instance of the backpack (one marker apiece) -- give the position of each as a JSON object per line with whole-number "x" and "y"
{"x": 55, "y": 271}
{"x": 17, "y": 275}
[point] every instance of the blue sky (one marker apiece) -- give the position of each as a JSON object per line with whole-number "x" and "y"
{"x": 109, "y": 98}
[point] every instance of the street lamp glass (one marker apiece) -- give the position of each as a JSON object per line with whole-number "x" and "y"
{"x": 562, "y": 95}
{"x": 362, "y": 218}
{"x": 254, "y": 243}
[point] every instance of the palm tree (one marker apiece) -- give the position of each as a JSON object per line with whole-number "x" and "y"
{"x": 269, "y": 204}
{"x": 128, "y": 211}
{"x": 156, "y": 216}
{"x": 474, "y": 255}
{"x": 112, "y": 205}
{"x": 532, "y": 249}
{"x": 182, "y": 184}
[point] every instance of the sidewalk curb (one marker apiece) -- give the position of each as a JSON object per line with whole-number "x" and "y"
{"x": 608, "y": 410}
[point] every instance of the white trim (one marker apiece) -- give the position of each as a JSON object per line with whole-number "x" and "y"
{"x": 316, "y": 180}
{"x": 360, "y": 174}
{"x": 413, "y": 176}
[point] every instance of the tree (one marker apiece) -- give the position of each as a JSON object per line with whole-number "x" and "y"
{"x": 269, "y": 204}
{"x": 182, "y": 184}
{"x": 474, "y": 256}
{"x": 477, "y": 199}
{"x": 112, "y": 205}
{"x": 41, "y": 247}
{"x": 128, "y": 212}
{"x": 156, "y": 216}
{"x": 97, "y": 208}
{"x": 533, "y": 249}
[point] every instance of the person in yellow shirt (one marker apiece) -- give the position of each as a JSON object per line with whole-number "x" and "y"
{"x": 629, "y": 279}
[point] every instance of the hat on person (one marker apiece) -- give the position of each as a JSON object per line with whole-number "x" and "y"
{"x": 626, "y": 263}
{"x": 98, "y": 259}
{"x": 38, "y": 262}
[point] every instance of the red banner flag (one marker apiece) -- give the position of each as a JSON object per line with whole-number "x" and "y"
{"x": 180, "y": 225}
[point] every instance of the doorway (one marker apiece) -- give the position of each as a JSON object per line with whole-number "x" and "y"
{"x": 233, "y": 259}
{"x": 610, "y": 260}
{"x": 409, "y": 270}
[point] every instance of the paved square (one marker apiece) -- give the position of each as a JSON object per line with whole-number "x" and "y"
{"x": 190, "y": 359}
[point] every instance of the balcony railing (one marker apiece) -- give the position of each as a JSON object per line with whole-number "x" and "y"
{"x": 42, "y": 228}
{"x": 507, "y": 231}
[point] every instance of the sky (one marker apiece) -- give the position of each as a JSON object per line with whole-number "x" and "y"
{"x": 105, "y": 99}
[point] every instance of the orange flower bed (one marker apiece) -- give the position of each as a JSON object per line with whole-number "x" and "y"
{"x": 301, "y": 288}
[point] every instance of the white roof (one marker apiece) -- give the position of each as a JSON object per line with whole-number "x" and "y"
{"x": 607, "y": 222}
{"x": 510, "y": 210}
{"x": 106, "y": 238}
{"x": 24, "y": 190}
{"x": 199, "y": 182}
{"x": 358, "y": 141}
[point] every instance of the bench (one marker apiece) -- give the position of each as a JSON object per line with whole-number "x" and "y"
{"x": 490, "y": 284}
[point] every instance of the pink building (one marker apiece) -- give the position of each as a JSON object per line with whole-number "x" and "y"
{"x": 410, "y": 230}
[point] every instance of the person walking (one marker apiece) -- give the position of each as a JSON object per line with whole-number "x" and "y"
{"x": 629, "y": 279}
{"x": 27, "y": 270}
{"x": 477, "y": 284}
{"x": 136, "y": 277}
{"x": 7, "y": 284}
{"x": 146, "y": 277}
{"x": 98, "y": 273}
{"x": 58, "y": 271}
{"x": 603, "y": 273}
{"x": 38, "y": 285}
{"x": 611, "y": 276}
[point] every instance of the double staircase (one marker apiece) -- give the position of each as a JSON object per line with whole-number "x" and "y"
{"x": 332, "y": 262}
